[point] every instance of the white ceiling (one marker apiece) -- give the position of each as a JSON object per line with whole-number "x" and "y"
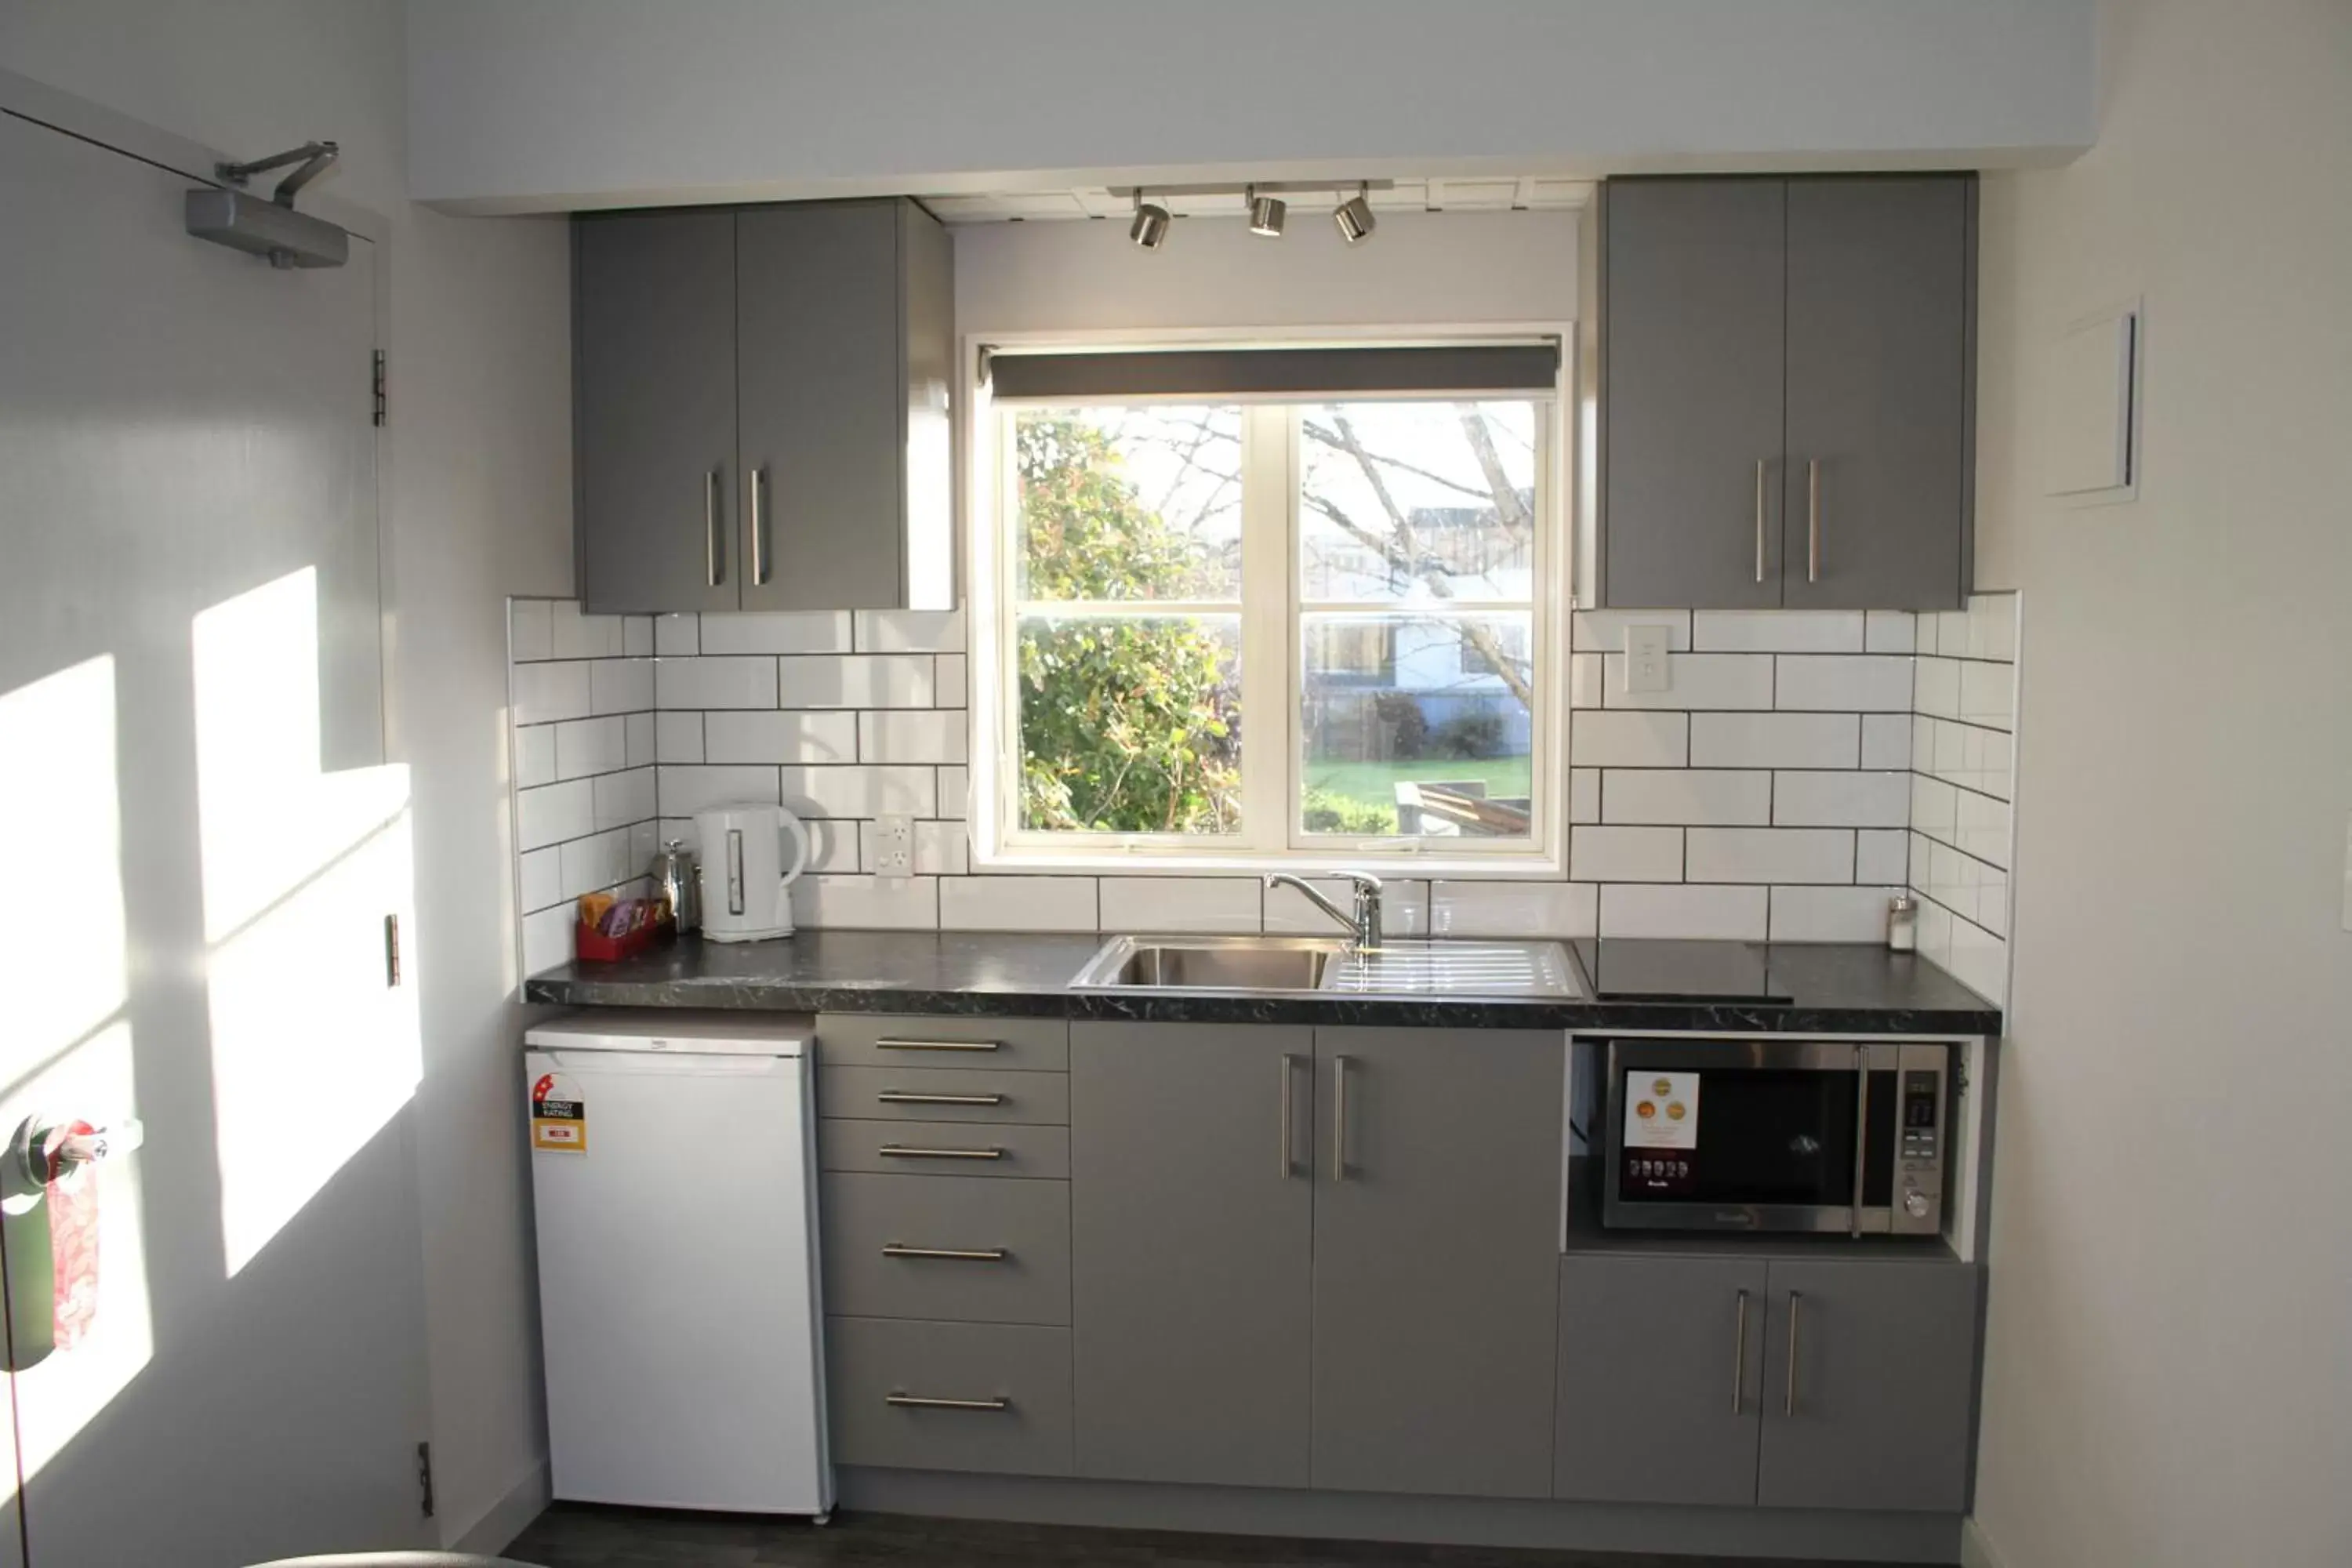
{"x": 1484, "y": 195}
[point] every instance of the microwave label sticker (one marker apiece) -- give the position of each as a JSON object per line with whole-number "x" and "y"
{"x": 1661, "y": 1109}
{"x": 559, "y": 1117}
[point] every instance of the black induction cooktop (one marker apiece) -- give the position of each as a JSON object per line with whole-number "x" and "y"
{"x": 1644, "y": 969}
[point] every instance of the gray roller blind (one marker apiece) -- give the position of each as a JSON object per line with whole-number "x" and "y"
{"x": 1449, "y": 370}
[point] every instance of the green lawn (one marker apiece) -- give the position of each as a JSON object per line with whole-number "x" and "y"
{"x": 1374, "y": 783}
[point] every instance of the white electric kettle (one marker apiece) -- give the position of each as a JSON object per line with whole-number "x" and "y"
{"x": 746, "y": 873}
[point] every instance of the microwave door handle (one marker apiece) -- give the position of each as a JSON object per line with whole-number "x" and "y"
{"x": 1861, "y": 1137}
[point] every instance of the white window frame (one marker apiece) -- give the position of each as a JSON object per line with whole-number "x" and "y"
{"x": 1272, "y": 655}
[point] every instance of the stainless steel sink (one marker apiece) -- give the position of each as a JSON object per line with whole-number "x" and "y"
{"x": 1308, "y": 966}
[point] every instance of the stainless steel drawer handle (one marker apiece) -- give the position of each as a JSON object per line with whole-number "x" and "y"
{"x": 901, "y": 1152}
{"x": 1813, "y": 521}
{"x": 759, "y": 482}
{"x": 1740, "y": 1354}
{"x": 954, "y": 1254}
{"x": 710, "y": 528}
{"x": 1289, "y": 1117}
{"x": 1796, "y": 1308}
{"x": 935, "y": 1044}
{"x": 1340, "y": 1066}
{"x": 1760, "y": 520}
{"x": 923, "y": 1402}
{"x": 906, "y": 1097}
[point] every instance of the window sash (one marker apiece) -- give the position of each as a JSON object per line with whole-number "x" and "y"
{"x": 1273, "y": 659}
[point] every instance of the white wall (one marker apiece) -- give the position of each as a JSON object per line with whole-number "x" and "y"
{"x": 2169, "y": 1378}
{"x": 476, "y": 480}
{"x": 533, "y": 104}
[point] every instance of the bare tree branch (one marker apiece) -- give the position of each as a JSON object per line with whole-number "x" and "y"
{"x": 1318, "y": 433}
{"x": 1507, "y": 505}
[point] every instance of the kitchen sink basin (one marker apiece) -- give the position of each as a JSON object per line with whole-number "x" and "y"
{"x": 1309, "y": 966}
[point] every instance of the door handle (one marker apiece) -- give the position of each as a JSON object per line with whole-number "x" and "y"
{"x": 1861, "y": 1136}
{"x": 956, "y": 1254}
{"x": 1739, "y": 1353}
{"x": 935, "y": 1044}
{"x": 902, "y": 1096}
{"x": 1796, "y": 1310}
{"x": 1813, "y": 519}
{"x": 1289, "y": 1117}
{"x": 1340, "y": 1066}
{"x": 924, "y": 1402}
{"x": 711, "y": 567}
{"x": 757, "y": 483}
{"x": 1759, "y": 519}
{"x": 902, "y": 1152}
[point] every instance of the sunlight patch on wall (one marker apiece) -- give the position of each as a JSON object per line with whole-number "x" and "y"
{"x": 313, "y": 1051}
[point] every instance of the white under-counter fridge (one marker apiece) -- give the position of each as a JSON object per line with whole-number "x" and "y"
{"x": 674, "y": 1173}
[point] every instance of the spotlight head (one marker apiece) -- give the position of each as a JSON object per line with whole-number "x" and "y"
{"x": 1266, "y": 213}
{"x": 1150, "y": 229}
{"x": 1354, "y": 216}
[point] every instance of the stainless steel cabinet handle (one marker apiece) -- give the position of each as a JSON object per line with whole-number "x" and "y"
{"x": 1861, "y": 1136}
{"x": 1740, "y": 1354}
{"x": 1796, "y": 1308}
{"x": 921, "y": 1402}
{"x": 1289, "y": 1117}
{"x": 710, "y": 528}
{"x": 954, "y": 1254}
{"x": 902, "y": 1096}
{"x": 935, "y": 1044}
{"x": 756, "y": 482}
{"x": 1760, "y": 520}
{"x": 1340, "y": 1066}
{"x": 1813, "y": 519}
{"x": 902, "y": 1152}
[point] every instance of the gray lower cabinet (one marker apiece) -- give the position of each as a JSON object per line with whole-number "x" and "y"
{"x": 949, "y": 1397}
{"x": 954, "y": 1247}
{"x": 1191, "y": 1230}
{"x": 1661, "y": 1378}
{"x": 1436, "y": 1273}
{"x": 1869, "y": 1369}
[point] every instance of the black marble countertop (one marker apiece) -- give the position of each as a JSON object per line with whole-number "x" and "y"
{"x": 1698, "y": 986}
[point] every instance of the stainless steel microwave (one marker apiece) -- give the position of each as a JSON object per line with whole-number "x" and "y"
{"x": 1786, "y": 1135}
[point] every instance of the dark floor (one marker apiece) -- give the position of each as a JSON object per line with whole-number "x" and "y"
{"x": 572, "y": 1535}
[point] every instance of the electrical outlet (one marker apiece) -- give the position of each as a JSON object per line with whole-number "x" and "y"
{"x": 894, "y": 847}
{"x": 1647, "y": 665}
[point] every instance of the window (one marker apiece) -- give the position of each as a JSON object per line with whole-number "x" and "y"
{"x": 1244, "y": 624}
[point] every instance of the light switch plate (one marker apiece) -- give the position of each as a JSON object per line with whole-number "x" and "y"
{"x": 1646, "y": 658}
{"x": 894, "y": 847}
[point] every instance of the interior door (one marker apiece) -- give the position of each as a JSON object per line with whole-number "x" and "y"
{"x": 191, "y": 715}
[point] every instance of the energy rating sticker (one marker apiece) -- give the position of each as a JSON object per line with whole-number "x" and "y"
{"x": 559, "y": 1117}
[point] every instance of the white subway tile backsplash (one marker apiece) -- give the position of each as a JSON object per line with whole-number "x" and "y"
{"x": 638, "y": 742}
{"x": 1585, "y": 675}
{"x": 1988, "y": 694}
{"x": 638, "y": 635}
{"x": 1696, "y": 680}
{"x": 1882, "y": 856}
{"x": 1513, "y": 908}
{"x": 1138, "y": 904}
{"x": 1952, "y": 633}
{"x": 1584, "y": 794}
{"x": 738, "y": 683}
{"x": 1980, "y": 961}
{"x": 955, "y": 793}
{"x": 810, "y": 631}
{"x": 621, "y": 684}
{"x": 1630, "y": 740}
{"x": 1405, "y": 908}
{"x": 1698, "y": 798}
{"x": 1778, "y": 631}
{"x": 623, "y": 798}
{"x": 593, "y": 864}
{"x": 1685, "y": 911}
{"x": 547, "y": 939}
{"x": 545, "y": 693}
{"x": 1872, "y": 683}
{"x": 677, "y": 737}
{"x": 1626, "y": 855}
{"x": 952, "y": 681}
{"x": 941, "y": 848}
{"x": 910, "y": 631}
{"x": 1886, "y": 740}
{"x": 685, "y": 789}
{"x": 1981, "y": 827}
{"x": 534, "y": 755}
{"x": 1890, "y": 631}
{"x": 1770, "y": 855}
{"x": 1830, "y": 914}
{"x": 554, "y": 813}
{"x": 586, "y": 746}
{"x": 530, "y": 630}
{"x": 1936, "y": 688}
{"x": 1017, "y": 903}
{"x": 540, "y": 879}
{"x": 1992, "y": 626}
{"x": 579, "y": 635}
{"x": 861, "y": 791}
{"x": 751, "y": 735}
{"x": 911, "y": 735}
{"x": 1841, "y": 799}
{"x": 1775, "y": 740}
{"x": 867, "y": 903}
{"x": 1934, "y": 808}
{"x": 1603, "y": 631}
{"x": 856, "y": 680}
{"x": 1952, "y": 881}
{"x": 676, "y": 635}
{"x": 835, "y": 846}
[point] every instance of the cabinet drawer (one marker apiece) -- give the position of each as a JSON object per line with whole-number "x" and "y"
{"x": 1008, "y": 1389}
{"x": 944, "y": 1094}
{"x": 1017, "y": 1235}
{"x": 843, "y": 1144}
{"x": 885, "y": 1039}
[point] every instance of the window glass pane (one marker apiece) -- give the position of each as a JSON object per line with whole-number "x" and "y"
{"x": 1130, "y": 503}
{"x": 1129, "y": 723}
{"x": 1416, "y": 724}
{"x": 1413, "y": 502}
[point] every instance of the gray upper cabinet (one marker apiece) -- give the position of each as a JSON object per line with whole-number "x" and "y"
{"x": 1869, "y": 1372}
{"x": 653, "y": 410}
{"x": 1692, "y": 360}
{"x": 794, "y": 363}
{"x": 1191, "y": 1229}
{"x": 1661, "y": 1378}
{"x": 1436, "y": 1260}
{"x": 1876, "y": 514}
{"x": 1786, "y": 393}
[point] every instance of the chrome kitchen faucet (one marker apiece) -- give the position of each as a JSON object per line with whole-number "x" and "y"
{"x": 1364, "y": 925}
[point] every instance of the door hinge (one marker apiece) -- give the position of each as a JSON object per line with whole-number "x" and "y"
{"x": 391, "y": 951}
{"x": 425, "y": 1476}
{"x": 378, "y": 366}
